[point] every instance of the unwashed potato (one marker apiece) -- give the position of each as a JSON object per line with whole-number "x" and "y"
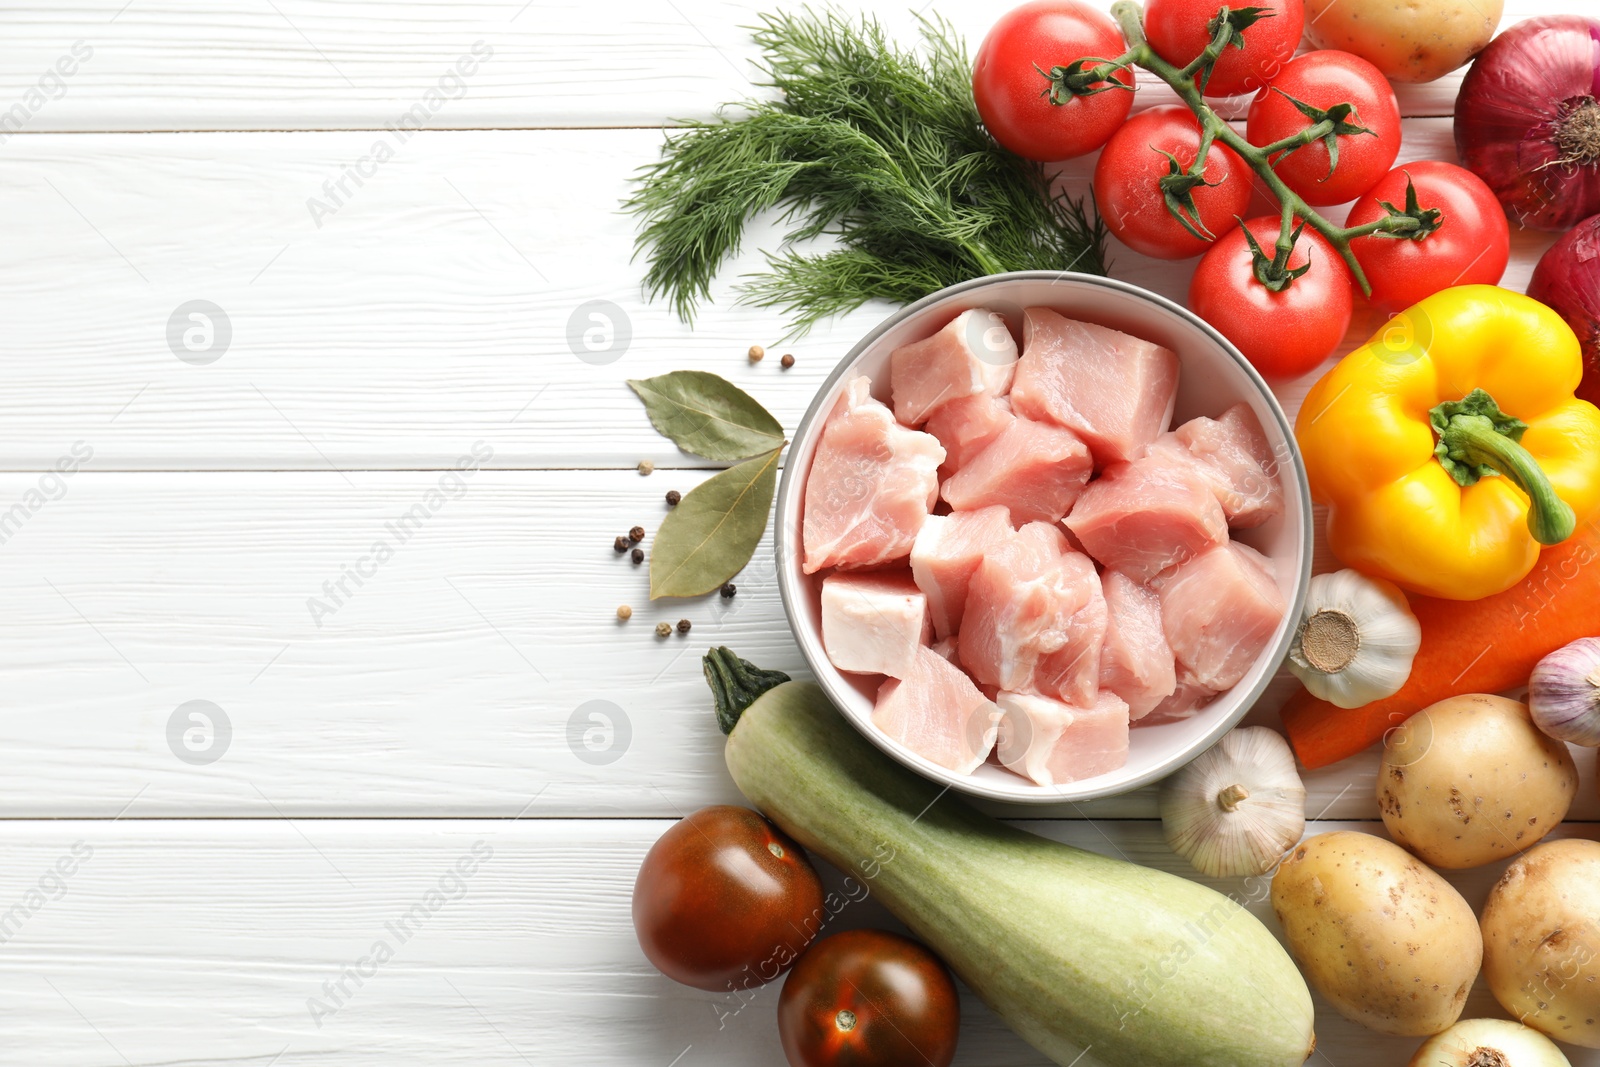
{"x": 1390, "y": 943}
{"x": 1409, "y": 40}
{"x": 1541, "y": 940}
{"x": 1470, "y": 780}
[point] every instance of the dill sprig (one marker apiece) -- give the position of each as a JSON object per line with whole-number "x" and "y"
{"x": 879, "y": 151}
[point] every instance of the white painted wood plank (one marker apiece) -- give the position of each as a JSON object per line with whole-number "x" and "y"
{"x": 432, "y": 309}
{"x": 200, "y": 942}
{"x": 444, "y": 685}
{"x": 363, "y": 64}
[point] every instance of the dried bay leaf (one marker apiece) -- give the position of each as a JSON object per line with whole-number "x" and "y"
{"x": 708, "y": 415}
{"x": 714, "y": 530}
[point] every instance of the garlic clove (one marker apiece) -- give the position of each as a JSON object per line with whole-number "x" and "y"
{"x": 1238, "y": 807}
{"x": 1357, "y": 639}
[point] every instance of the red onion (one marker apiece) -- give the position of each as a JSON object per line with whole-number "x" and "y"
{"x": 1568, "y": 280}
{"x": 1528, "y": 123}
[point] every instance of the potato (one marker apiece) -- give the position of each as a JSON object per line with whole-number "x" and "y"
{"x": 1409, "y": 40}
{"x": 1470, "y": 780}
{"x": 1541, "y": 940}
{"x": 1377, "y": 932}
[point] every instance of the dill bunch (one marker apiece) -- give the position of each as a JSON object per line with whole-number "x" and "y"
{"x": 880, "y": 150}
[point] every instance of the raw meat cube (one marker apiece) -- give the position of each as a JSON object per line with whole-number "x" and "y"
{"x": 1114, "y": 390}
{"x": 1035, "y": 617}
{"x": 938, "y": 713}
{"x": 1053, "y": 743}
{"x": 946, "y": 648}
{"x": 1146, "y": 516}
{"x": 1136, "y": 662}
{"x": 873, "y": 622}
{"x": 1035, "y": 469}
{"x": 964, "y": 427}
{"x": 974, "y": 354}
{"x": 871, "y": 486}
{"x": 1189, "y": 698}
{"x": 1219, "y": 610}
{"x": 945, "y": 554}
{"x": 1233, "y": 454}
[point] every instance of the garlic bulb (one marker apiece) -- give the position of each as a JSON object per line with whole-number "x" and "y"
{"x": 1564, "y": 693}
{"x": 1356, "y": 641}
{"x": 1238, "y": 807}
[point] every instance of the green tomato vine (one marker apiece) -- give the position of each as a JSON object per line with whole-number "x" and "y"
{"x": 1085, "y": 77}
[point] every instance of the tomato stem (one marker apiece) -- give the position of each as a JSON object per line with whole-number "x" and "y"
{"x": 1326, "y": 124}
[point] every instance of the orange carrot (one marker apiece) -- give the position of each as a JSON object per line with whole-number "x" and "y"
{"x": 1479, "y": 646}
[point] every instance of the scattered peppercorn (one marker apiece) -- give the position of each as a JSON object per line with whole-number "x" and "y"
{"x": 673, "y": 496}
{"x": 624, "y": 613}
{"x": 636, "y": 534}
{"x": 646, "y": 467}
{"x": 683, "y": 626}
{"x": 663, "y": 629}
{"x": 638, "y": 555}
{"x": 620, "y": 544}
{"x": 756, "y": 353}
{"x": 787, "y": 361}
{"x": 728, "y": 589}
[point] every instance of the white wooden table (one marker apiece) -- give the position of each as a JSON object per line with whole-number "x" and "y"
{"x": 379, "y": 319}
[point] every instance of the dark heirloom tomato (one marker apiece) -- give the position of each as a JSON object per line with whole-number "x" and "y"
{"x": 725, "y": 901}
{"x": 869, "y": 998}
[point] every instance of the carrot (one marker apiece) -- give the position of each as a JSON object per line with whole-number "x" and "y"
{"x": 1480, "y": 646}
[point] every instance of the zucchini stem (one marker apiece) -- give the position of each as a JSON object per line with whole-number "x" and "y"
{"x": 735, "y": 684}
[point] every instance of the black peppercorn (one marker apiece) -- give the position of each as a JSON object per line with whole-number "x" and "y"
{"x": 787, "y": 361}
{"x": 636, "y": 534}
{"x": 620, "y": 544}
{"x": 683, "y": 626}
{"x": 728, "y": 589}
{"x": 638, "y": 555}
{"x": 673, "y": 496}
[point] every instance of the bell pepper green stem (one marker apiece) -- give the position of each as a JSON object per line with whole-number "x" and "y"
{"x": 1473, "y": 439}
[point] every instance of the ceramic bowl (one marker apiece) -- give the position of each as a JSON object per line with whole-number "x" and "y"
{"x": 1214, "y": 376}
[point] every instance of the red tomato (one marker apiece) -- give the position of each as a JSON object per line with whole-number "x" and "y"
{"x": 1284, "y": 333}
{"x": 868, "y": 998}
{"x": 1129, "y": 196}
{"x": 724, "y": 901}
{"x": 1179, "y": 30}
{"x": 1470, "y": 246}
{"x": 1011, "y": 93}
{"x": 1323, "y": 79}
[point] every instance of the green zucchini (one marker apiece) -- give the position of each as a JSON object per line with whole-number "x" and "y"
{"x": 1094, "y": 961}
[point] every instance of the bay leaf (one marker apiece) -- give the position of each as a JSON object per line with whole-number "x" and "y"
{"x": 708, "y": 415}
{"x": 714, "y": 530}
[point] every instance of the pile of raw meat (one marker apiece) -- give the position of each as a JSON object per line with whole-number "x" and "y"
{"x": 1078, "y": 577}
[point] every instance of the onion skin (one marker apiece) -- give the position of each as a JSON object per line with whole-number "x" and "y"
{"x": 1508, "y": 112}
{"x": 1476, "y": 1042}
{"x": 1567, "y": 279}
{"x": 1564, "y": 693}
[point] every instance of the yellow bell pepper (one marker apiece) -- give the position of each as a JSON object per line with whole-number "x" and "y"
{"x": 1450, "y": 447}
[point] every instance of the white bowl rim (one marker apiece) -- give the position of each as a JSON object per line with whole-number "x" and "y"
{"x": 1027, "y": 792}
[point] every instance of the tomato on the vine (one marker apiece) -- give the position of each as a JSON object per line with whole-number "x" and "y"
{"x": 1322, "y": 81}
{"x": 1179, "y": 30}
{"x": 1013, "y": 97}
{"x": 868, "y": 998}
{"x": 1283, "y": 333}
{"x": 725, "y": 901}
{"x": 1467, "y": 242}
{"x": 1128, "y": 181}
